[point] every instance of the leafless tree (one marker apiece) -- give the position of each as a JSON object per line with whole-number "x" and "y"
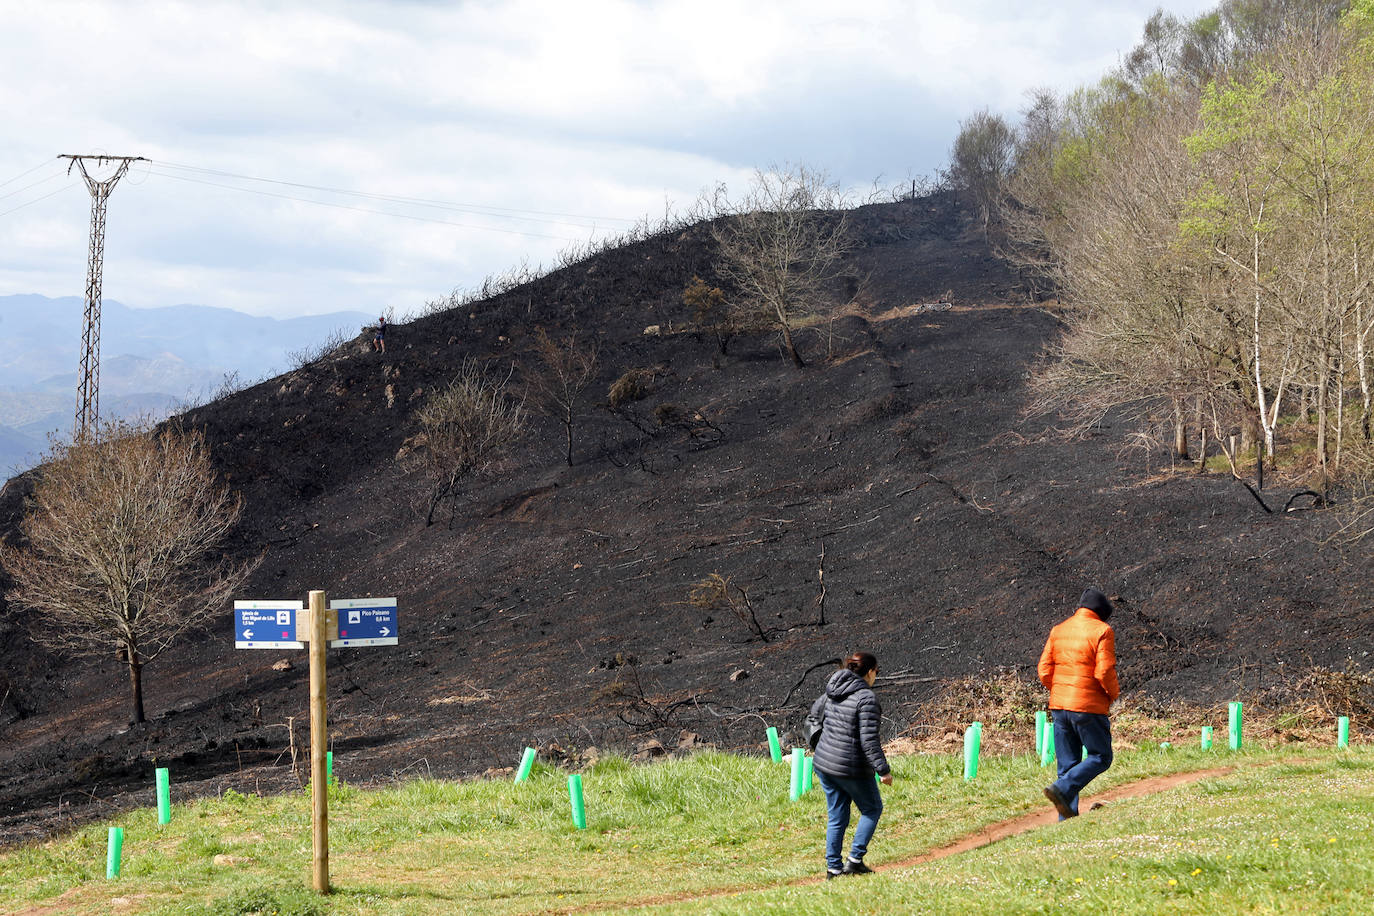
{"x": 465, "y": 428}
{"x": 981, "y": 160}
{"x": 119, "y": 549}
{"x": 782, "y": 248}
{"x": 566, "y": 368}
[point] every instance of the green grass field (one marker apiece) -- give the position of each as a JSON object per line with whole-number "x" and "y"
{"x": 1287, "y": 831}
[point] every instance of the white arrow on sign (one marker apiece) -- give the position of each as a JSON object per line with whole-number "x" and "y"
{"x": 247, "y": 634}
{"x": 386, "y": 631}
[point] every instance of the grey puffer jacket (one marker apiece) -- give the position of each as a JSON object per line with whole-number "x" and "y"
{"x": 849, "y": 747}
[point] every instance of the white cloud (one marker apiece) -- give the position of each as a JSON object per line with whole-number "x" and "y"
{"x": 599, "y": 108}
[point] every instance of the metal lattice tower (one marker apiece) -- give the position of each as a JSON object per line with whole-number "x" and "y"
{"x": 88, "y": 383}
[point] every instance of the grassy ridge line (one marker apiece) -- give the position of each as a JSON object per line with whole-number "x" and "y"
{"x": 682, "y": 828}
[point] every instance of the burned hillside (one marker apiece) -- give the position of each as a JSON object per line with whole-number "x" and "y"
{"x": 890, "y": 496}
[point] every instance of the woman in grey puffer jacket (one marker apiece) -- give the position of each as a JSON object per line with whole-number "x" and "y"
{"x": 848, "y": 754}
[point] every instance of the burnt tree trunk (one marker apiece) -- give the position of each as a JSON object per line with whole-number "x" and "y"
{"x": 791, "y": 347}
{"x": 136, "y": 685}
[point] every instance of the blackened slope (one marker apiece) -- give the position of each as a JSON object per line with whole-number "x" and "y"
{"x": 954, "y": 535}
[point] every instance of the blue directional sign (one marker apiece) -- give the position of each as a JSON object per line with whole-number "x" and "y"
{"x": 365, "y": 622}
{"x": 266, "y": 624}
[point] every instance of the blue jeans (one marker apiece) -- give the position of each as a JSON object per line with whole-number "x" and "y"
{"x": 839, "y": 792}
{"x": 1082, "y": 749}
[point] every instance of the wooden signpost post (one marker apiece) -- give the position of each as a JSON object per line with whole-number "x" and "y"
{"x": 291, "y": 625}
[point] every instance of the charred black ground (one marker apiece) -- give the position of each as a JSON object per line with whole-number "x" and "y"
{"x": 555, "y": 610}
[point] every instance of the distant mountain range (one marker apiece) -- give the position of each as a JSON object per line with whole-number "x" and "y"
{"x": 153, "y": 361}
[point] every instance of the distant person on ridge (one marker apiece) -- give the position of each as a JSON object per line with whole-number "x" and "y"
{"x": 379, "y": 341}
{"x": 848, "y": 753}
{"x": 1079, "y": 667}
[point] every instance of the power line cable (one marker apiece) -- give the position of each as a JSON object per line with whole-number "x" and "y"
{"x": 387, "y": 199}
{"x": 325, "y": 203}
{"x": 37, "y": 199}
{"x": 423, "y": 201}
{"x": 29, "y": 172}
{"x": 57, "y": 174}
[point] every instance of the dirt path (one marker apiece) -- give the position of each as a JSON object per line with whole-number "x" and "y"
{"x": 983, "y": 837}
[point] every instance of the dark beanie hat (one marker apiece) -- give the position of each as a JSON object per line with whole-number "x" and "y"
{"x": 1096, "y": 602}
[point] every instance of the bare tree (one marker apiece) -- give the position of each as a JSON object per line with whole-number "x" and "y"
{"x": 981, "y": 161}
{"x": 119, "y": 547}
{"x": 566, "y": 369}
{"x": 465, "y": 428}
{"x": 781, "y": 250}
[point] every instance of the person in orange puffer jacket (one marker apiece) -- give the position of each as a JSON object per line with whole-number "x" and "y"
{"x": 1079, "y": 668}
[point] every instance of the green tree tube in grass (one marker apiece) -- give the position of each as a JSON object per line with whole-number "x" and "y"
{"x": 973, "y": 741}
{"x": 1206, "y": 737}
{"x": 579, "y": 808}
{"x": 164, "y": 796}
{"x": 798, "y": 756}
{"x": 329, "y": 768}
{"x": 1041, "y": 717}
{"x": 808, "y": 773}
{"x": 1235, "y": 713}
{"x": 1047, "y": 745}
{"x": 526, "y": 764}
{"x": 1343, "y": 731}
{"x": 114, "y": 851}
{"x": 774, "y": 745}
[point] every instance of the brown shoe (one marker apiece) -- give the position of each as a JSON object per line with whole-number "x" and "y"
{"x": 1061, "y": 804}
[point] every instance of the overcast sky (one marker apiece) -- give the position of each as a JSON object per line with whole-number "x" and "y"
{"x": 525, "y": 125}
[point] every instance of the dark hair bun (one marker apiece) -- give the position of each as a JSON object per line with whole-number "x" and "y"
{"x": 861, "y": 663}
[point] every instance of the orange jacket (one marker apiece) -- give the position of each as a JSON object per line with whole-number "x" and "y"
{"x": 1079, "y": 664}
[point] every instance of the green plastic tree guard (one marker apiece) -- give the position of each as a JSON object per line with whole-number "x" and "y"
{"x": 114, "y": 852}
{"x": 1047, "y": 745}
{"x": 329, "y": 768}
{"x": 526, "y": 764}
{"x": 774, "y": 745}
{"x": 164, "y": 795}
{"x": 973, "y": 743}
{"x": 1343, "y": 731}
{"x": 808, "y": 773}
{"x": 1041, "y": 717}
{"x": 1236, "y": 712}
{"x": 579, "y": 808}
{"x": 1206, "y": 737}
{"x": 798, "y": 767}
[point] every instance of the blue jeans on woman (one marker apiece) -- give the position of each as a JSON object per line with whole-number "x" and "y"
{"x": 839, "y": 792}
{"x": 1082, "y": 750}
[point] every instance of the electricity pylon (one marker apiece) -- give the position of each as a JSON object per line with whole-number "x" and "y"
{"x": 88, "y": 384}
